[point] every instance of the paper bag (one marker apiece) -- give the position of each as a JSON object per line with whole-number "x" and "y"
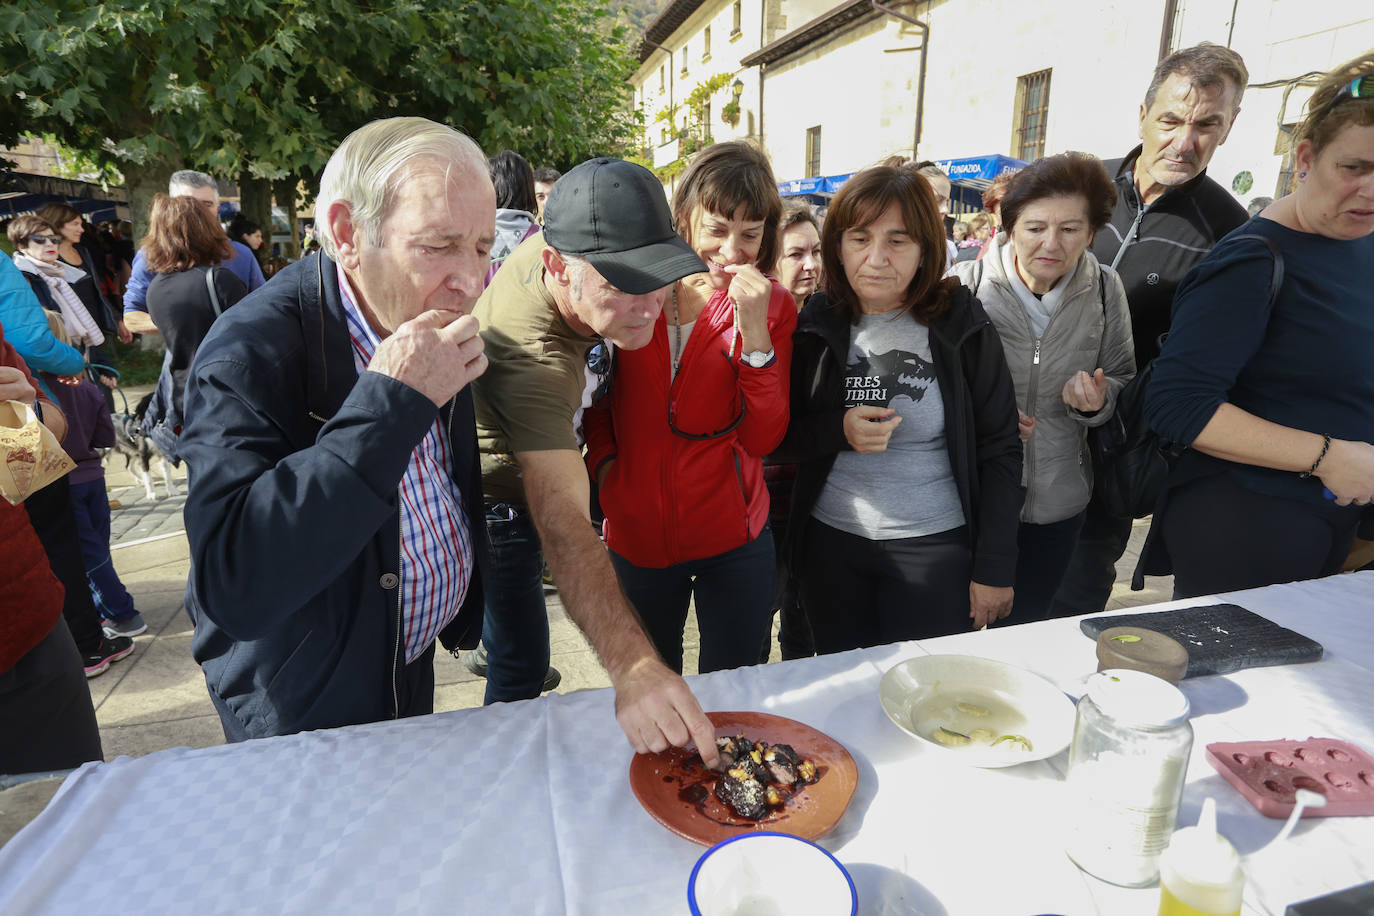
{"x": 33, "y": 456}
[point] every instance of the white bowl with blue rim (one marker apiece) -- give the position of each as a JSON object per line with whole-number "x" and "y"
{"x": 770, "y": 874}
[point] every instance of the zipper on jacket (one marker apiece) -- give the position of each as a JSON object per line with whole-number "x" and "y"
{"x": 1132, "y": 234}
{"x": 1032, "y": 392}
{"x": 744, "y": 495}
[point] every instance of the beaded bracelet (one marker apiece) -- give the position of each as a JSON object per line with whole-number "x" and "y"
{"x": 1326, "y": 444}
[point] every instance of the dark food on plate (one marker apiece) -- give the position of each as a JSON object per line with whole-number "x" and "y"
{"x": 757, "y": 778}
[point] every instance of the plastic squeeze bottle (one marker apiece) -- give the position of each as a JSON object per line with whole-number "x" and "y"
{"x": 1200, "y": 874}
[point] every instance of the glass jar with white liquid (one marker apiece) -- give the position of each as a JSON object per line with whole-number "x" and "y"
{"x": 1126, "y": 768}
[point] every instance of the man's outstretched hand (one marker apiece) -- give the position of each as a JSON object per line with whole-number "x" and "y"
{"x": 656, "y": 710}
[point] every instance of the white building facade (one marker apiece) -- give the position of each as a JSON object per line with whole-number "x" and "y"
{"x": 829, "y": 89}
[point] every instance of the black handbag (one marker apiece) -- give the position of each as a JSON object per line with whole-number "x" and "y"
{"x": 1131, "y": 463}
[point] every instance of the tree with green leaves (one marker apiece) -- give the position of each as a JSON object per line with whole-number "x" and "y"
{"x": 264, "y": 91}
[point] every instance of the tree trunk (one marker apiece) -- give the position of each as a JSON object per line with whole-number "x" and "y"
{"x": 284, "y": 193}
{"x": 142, "y": 183}
{"x": 255, "y": 202}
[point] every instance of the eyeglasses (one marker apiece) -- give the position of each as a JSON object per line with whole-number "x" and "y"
{"x": 45, "y": 239}
{"x": 706, "y": 437}
{"x": 600, "y": 362}
{"x": 1361, "y": 87}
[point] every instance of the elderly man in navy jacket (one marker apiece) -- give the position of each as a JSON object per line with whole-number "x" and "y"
{"x": 333, "y": 459}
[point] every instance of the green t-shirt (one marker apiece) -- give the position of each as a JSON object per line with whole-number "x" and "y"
{"x": 532, "y": 394}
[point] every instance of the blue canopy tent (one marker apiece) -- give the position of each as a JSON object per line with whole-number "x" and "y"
{"x": 816, "y": 191}
{"x": 971, "y": 177}
{"x": 21, "y": 192}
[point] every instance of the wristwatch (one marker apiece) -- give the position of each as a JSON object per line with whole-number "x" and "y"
{"x": 758, "y": 359}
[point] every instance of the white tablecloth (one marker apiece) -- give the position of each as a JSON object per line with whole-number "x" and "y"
{"x": 526, "y": 808}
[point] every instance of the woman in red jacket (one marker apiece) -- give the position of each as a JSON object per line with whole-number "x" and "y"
{"x": 679, "y": 456}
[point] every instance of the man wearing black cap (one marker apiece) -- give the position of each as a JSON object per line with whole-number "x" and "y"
{"x": 595, "y": 279}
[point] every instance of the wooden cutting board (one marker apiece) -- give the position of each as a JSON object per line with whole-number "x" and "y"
{"x": 1220, "y": 638}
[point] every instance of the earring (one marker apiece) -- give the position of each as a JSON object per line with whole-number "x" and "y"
{"x": 1301, "y": 176}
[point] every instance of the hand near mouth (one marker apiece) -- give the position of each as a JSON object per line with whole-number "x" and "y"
{"x": 751, "y": 291}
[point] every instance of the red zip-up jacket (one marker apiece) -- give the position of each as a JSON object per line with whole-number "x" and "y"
{"x": 669, "y": 498}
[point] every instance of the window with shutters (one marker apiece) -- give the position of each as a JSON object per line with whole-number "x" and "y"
{"x": 1032, "y": 115}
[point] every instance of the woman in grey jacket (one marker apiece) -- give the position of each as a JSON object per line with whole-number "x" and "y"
{"x": 1066, "y": 332}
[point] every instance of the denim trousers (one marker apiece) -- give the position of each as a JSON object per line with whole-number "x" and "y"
{"x": 91, "y": 504}
{"x": 734, "y": 603}
{"x": 515, "y": 622}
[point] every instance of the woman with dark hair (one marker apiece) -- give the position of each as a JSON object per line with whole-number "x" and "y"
{"x": 183, "y": 246}
{"x": 1266, "y": 371}
{"x": 904, "y": 422}
{"x": 513, "y": 179}
{"x": 89, "y": 289}
{"x": 679, "y": 456}
{"x": 799, "y": 253}
{"x": 246, "y": 232}
{"x": 36, "y": 243}
{"x": 1066, "y": 332}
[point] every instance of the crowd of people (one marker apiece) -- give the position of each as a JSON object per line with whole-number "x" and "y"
{"x": 857, "y": 422}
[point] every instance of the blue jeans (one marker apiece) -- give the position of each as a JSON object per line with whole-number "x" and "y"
{"x": 734, "y": 602}
{"x": 91, "y": 505}
{"x": 515, "y": 622}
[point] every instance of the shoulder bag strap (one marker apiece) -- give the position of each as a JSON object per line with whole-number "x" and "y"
{"x": 210, "y": 285}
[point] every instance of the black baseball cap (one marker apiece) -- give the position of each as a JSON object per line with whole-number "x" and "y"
{"x": 614, "y": 214}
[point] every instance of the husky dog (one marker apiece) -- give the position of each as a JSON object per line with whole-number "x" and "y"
{"x": 140, "y": 453}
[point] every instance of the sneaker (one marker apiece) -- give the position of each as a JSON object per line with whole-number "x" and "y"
{"x": 476, "y": 660}
{"x": 131, "y": 627}
{"x": 106, "y": 652}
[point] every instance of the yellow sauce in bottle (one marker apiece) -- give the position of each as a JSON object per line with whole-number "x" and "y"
{"x": 1169, "y": 905}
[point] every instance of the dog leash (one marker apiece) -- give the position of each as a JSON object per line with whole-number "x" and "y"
{"x": 115, "y": 372}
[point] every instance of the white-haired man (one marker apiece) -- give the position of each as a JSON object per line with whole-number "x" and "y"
{"x": 202, "y": 187}
{"x": 333, "y": 458}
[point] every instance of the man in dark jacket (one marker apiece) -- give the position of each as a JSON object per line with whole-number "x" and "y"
{"x": 1168, "y": 215}
{"x": 334, "y": 472}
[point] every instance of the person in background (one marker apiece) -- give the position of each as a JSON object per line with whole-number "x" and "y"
{"x": 1168, "y": 215}
{"x": 1066, "y": 331}
{"x": 799, "y": 254}
{"x": 799, "y": 271}
{"x": 90, "y": 288}
{"x": 35, "y": 253}
{"x": 246, "y": 232}
{"x": 1271, "y": 389}
{"x": 515, "y": 205}
{"x": 202, "y": 188}
{"x": 980, "y": 234}
{"x": 183, "y": 247}
{"x": 904, "y": 422}
{"x": 25, "y": 321}
{"x": 50, "y": 509}
{"x": 46, "y": 714}
{"x": 544, "y": 180}
{"x": 678, "y": 446}
{"x": 1257, "y": 204}
{"x": 89, "y": 430}
{"x": 960, "y": 232}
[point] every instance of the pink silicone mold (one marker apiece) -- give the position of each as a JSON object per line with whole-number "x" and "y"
{"x": 1269, "y": 773}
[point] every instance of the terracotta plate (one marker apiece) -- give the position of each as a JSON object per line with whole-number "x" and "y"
{"x": 675, "y": 788}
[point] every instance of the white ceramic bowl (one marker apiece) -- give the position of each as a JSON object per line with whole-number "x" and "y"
{"x": 976, "y": 696}
{"x": 770, "y": 874}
